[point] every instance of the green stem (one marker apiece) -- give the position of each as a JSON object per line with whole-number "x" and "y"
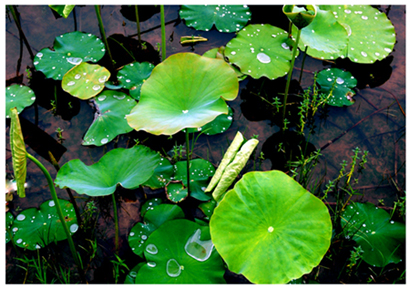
{"x": 187, "y": 159}
{"x": 163, "y": 33}
{"x": 295, "y": 49}
{"x": 137, "y": 19}
{"x": 102, "y": 31}
{"x": 303, "y": 65}
{"x": 114, "y": 203}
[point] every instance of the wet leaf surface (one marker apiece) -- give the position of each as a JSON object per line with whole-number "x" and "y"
{"x": 18, "y": 96}
{"x": 133, "y": 75}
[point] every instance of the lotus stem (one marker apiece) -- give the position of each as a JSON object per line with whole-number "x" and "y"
{"x": 164, "y": 48}
{"x": 117, "y": 231}
{"x": 187, "y": 159}
{"x": 16, "y": 20}
{"x": 295, "y": 49}
{"x": 102, "y": 31}
{"x": 303, "y": 65}
{"x": 137, "y": 19}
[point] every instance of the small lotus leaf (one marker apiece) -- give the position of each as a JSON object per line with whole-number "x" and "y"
{"x": 278, "y": 231}
{"x": 381, "y": 240}
{"x": 176, "y": 192}
{"x": 133, "y": 75}
{"x": 34, "y": 229}
{"x": 149, "y": 205}
{"x": 130, "y": 278}
{"x": 227, "y": 18}
{"x": 138, "y": 237}
{"x": 62, "y": 10}
{"x": 70, "y": 49}
{"x": 18, "y": 96}
{"x": 109, "y": 119}
{"x": 371, "y": 35}
{"x": 219, "y": 53}
{"x": 171, "y": 101}
{"x": 127, "y": 167}
{"x": 300, "y": 16}
{"x": 219, "y": 125}
{"x": 162, "y": 213}
{"x": 162, "y": 175}
{"x": 181, "y": 257}
{"x": 342, "y": 83}
{"x": 85, "y": 80}
{"x": 208, "y": 208}
{"x": 9, "y": 223}
{"x": 260, "y": 50}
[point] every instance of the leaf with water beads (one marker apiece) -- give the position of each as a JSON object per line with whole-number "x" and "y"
{"x": 342, "y": 83}
{"x": 176, "y": 192}
{"x": 70, "y": 49}
{"x": 162, "y": 213}
{"x": 219, "y": 53}
{"x": 133, "y": 76}
{"x": 149, "y": 205}
{"x": 109, "y": 119}
{"x": 85, "y": 80}
{"x": 18, "y": 96}
{"x": 299, "y": 16}
{"x": 219, "y": 125}
{"x": 381, "y": 239}
{"x": 138, "y": 236}
{"x": 34, "y": 229}
{"x": 226, "y": 18}
{"x": 162, "y": 175}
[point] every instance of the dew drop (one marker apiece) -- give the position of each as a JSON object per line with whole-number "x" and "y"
{"x": 230, "y": 117}
{"x": 263, "y": 58}
{"x": 119, "y": 97}
{"x": 347, "y": 11}
{"x": 38, "y": 246}
{"x": 96, "y": 87}
{"x": 233, "y": 52}
{"x": 102, "y": 97}
{"x": 152, "y": 249}
{"x": 391, "y": 222}
{"x": 152, "y": 264}
{"x": 15, "y": 229}
{"x": 73, "y": 228}
{"x": 77, "y": 76}
{"x": 197, "y": 249}
{"x": 36, "y": 62}
{"x": 71, "y": 83}
{"x": 339, "y": 80}
{"x": 329, "y": 79}
{"x": 19, "y": 241}
{"x": 39, "y": 54}
{"x": 365, "y": 17}
{"x": 104, "y": 140}
{"x": 173, "y": 268}
{"x": 74, "y": 60}
{"x": 270, "y": 229}
{"x": 20, "y": 217}
{"x": 387, "y": 50}
{"x": 285, "y": 46}
{"x": 364, "y": 225}
{"x": 185, "y": 111}
{"x": 144, "y": 237}
{"x": 51, "y": 204}
{"x": 364, "y": 54}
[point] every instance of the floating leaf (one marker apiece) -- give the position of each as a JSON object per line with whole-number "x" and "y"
{"x": 70, "y": 49}
{"x": 181, "y": 257}
{"x": 171, "y": 101}
{"x": 109, "y": 119}
{"x": 219, "y": 125}
{"x": 162, "y": 213}
{"x": 149, "y": 205}
{"x": 133, "y": 75}
{"x": 138, "y": 236}
{"x": 299, "y": 16}
{"x": 162, "y": 175}
{"x": 127, "y": 167}
{"x": 227, "y": 18}
{"x": 34, "y": 229}
{"x": 219, "y": 53}
{"x": 62, "y": 10}
{"x": 260, "y": 50}
{"x": 176, "y": 192}
{"x": 278, "y": 231}
{"x": 130, "y": 278}
{"x": 381, "y": 239}
{"x": 208, "y": 208}
{"x": 18, "y": 96}
{"x": 342, "y": 83}
{"x": 85, "y": 80}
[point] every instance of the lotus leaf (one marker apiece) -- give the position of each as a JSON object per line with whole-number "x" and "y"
{"x": 34, "y": 229}
{"x": 18, "y": 153}
{"x": 18, "y": 96}
{"x": 85, "y": 80}
{"x": 70, "y": 49}
{"x": 260, "y": 50}
{"x": 371, "y": 35}
{"x": 130, "y": 278}
{"x": 208, "y": 208}
{"x": 138, "y": 236}
{"x": 278, "y": 231}
{"x": 127, "y": 167}
{"x": 149, "y": 205}
{"x": 162, "y": 213}
{"x": 299, "y": 16}
{"x": 342, "y": 83}
{"x": 9, "y": 223}
{"x": 178, "y": 255}
{"x": 176, "y": 192}
{"x": 219, "y": 125}
{"x": 185, "y": 90}
{"x": 133, "y": 75}
{"x": 381, "y": 239}
{"x": 162, "y": 175}
{"x": 227, "y": 18}
{"x": 62, "y": 10}
{"x": 200, "y": 170}
{"x": 109, "y": 119}
{"x": 219, "y": 53}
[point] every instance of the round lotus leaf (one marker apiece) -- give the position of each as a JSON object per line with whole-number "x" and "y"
{"x": 9, "y": 223}
{"x": 324, "y": 34}
{"x": 185, "y": 90}
{"x": 227, "y": 18}
{"x": 260, "y": 50}
{"x": 278, "y": 231}
{"x": 70, "y": 49}
{"x": 219, "y": 53}
{"x": 342, "y": 83}
{"x": 126, "y": 167}
{"x": 133, "y": 75}
{"x": 176, "y": 192}
{"x": 299, "y": 16}
{"x": 219, "y": 125}
{"x": 381, "y": 239}
{"x": 85, "y": 80}
{"x": 162, "y": 175}
{"x": 109, "y": 119}
{"x": 149, "y": 205}
{"x": 18, "y": 96}
{"x": 34, "y": 229}
{"x": 138, "y": 236}
{"x": 371, "y": 35}
{"x": 158, "y": 215}
{"x": 178, "y": 255}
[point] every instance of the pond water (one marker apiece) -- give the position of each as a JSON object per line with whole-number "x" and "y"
{"x": 374, "y": 123}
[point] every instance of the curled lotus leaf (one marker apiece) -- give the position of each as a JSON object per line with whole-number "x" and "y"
{"x": 270, "y": 216}
{"x": 299, "y": 16}
{"x": 18, "y": 96}
{"x": 70, "y": 49}
{"x": 126, "y": 167}
{"x": 184, "y": 91}
{"x": 133, "y": 75}
{"x": 226, "y": 18}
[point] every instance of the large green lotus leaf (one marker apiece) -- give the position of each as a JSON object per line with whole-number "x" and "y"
{"x": 176, "y": 192}
{"x": 126, "y": 167}
{"x": 371, "y": 35}
{"x": 62, "y": 10}
{"x": 342, "y": 82}
{"x": 227, "y": 18}
{"x": 85, "y": 80}
{"x": 9, "y": 223}
{"x": 186, "y": 90}
{"x": 109, "y": 119}
{"x": 381, "y": 240}
{"x": 179, "y": 256}
{"x": 219, "y": 125}
{"x": 133, "y": 75}
{"x": 34, "y": 229}
{"x": 18, "y": 152}
{"x": 70, "y": 49}
{"x": 260, "y": 50}
{"x": 162, "y": 175}
{"x": 219, "y": 53}
{"x": 278, "y": 231}
{"x": 324, "y": 34}
{"x": 18, "y": 96}
{"x": 299, "y": 16}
